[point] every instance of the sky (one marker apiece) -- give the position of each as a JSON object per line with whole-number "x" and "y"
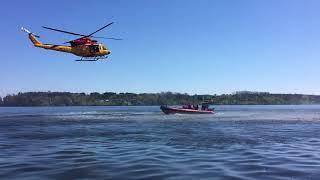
{"x": 186, "y": 46}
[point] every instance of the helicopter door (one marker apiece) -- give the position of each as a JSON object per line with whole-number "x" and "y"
{"x": 94, "y": 48}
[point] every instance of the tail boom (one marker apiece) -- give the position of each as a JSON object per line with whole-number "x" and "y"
{"x": 37, "y": 43}
{"x": 34, "y": 40}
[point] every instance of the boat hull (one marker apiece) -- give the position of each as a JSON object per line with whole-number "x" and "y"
{"x": 171, "y": 110}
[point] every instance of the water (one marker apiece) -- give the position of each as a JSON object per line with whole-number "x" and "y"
{"x": 238, "y": 142}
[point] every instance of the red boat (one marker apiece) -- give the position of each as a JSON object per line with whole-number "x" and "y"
{"x": 187, "y": 110}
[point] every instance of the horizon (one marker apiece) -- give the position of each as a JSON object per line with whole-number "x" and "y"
{"x": 178, "y": 46}
{"x": 232, "y": 93}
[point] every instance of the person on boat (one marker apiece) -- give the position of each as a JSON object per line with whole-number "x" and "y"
{"x": 204, "y": 107}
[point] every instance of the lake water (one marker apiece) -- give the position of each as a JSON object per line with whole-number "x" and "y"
{"x": 238, "y": 142}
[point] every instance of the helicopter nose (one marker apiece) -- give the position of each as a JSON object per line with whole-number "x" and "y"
{"x": 105, "y": 52}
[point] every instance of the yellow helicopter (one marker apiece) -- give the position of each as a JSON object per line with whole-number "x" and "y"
{"x": 85, "y": 47}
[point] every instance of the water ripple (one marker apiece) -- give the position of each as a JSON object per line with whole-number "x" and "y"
{"x": 239, "y": 142}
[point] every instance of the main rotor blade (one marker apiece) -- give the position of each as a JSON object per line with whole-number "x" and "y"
{"x": 99, "y": 29}
{"x": 106, "y": 38}
{"x": 63, "y": 31}
{"x": 117, "y": 39}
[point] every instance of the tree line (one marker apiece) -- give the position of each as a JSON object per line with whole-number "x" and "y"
{"x": 167, "y": 98}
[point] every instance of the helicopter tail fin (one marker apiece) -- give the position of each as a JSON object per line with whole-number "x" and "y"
{"x": 32, "y": 37}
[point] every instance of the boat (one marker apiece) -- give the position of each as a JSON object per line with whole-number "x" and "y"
{"x": 186, "y": 110}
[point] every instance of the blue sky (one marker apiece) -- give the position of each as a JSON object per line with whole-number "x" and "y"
{"x": 196, "y": 47}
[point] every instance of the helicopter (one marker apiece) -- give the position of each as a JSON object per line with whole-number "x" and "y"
{"x": 85, "y": 47}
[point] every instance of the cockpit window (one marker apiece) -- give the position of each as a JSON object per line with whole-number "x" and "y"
{"x": 94, "y": 48}
{"x": 104, "y": 48}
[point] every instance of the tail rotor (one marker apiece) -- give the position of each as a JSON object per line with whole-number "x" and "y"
{"x": 27, "y": 31}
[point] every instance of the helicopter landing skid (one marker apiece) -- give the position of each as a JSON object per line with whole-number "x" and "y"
{"x": 94, "y": 59}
